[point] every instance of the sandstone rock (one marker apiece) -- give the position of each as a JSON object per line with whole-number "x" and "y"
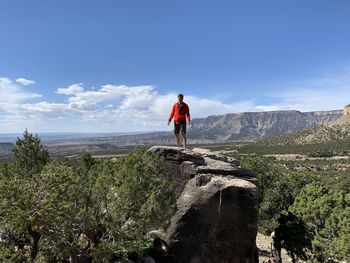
{"x": 178, "y": 154}
{"x": 184, "y": 164}
{"x": 217, "y": 214}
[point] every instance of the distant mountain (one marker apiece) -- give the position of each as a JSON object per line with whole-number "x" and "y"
{"x": 247, "y": 126}
{"x": 229, "y": 127}
{"x": 258, "y": 125}
{"x": 64, "y": 136}
{"x": 337, "y": 131}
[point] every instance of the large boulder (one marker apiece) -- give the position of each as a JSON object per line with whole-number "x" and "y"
{"x": 217, "y": 214}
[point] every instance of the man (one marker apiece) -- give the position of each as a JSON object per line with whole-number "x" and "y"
{"x": 181, "y": 113}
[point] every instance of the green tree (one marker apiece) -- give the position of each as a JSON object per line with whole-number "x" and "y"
{"x": 278, "y": 189}
{"x": 140, "y": 199}
{"x": 55, "y": 205}
{"x": 338, "y": 227}
{"x": 29, "y": 154}
{"x": 264, "y": 170}
{"x": 36, "y": 211}
{"x": 280, "y": 196}
{"x": 325, "y": 213}
{"x": 15, "y": 196}
{"x": 17, "y": 192}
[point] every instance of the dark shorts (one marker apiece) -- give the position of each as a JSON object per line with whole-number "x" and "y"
{"x": 179, "y": 126}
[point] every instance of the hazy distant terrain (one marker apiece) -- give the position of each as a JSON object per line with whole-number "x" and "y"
{"x": 63, "y": 136}
{"x": 233, "y": 127}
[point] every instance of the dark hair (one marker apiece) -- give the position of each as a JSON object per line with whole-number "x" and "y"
{"x": 180, "y": 95}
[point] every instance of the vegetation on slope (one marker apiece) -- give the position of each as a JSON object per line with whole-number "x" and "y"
{"x": 312, "y": 150}
{"x": 305, "y": 201}
{"x": 307, "y": 210}
{"x": 51, "y": 211}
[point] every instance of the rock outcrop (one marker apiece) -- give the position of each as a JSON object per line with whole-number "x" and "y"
{"x": 217, "y": 214}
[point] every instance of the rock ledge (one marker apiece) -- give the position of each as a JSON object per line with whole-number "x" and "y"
{"x": 217, "y": 216}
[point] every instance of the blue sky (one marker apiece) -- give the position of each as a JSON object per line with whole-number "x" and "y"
{"x": 109, "y": 66}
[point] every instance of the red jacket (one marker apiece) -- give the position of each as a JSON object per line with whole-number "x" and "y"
{"x": 180, "y": 116}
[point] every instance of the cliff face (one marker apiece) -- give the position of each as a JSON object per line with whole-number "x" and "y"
{"x": 337, "y": 131}
{"x": 258, "y": 125}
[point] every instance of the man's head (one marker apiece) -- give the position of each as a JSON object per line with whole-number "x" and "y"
{"x": 180, "y": 97}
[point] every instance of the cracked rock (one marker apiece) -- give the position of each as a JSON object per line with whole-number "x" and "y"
{"x": 217, "y": 216}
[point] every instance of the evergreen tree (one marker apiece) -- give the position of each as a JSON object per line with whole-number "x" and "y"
{"x": 18, "y": 192}
{"x": 29, "y": 154}
{"x": 325, "y": 211}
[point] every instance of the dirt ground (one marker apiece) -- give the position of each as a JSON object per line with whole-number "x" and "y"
{"x": 264, "y": 245}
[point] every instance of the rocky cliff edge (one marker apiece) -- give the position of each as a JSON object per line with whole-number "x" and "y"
{"x": 217, "y": 215}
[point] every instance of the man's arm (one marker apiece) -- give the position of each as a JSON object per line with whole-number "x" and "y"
{"x": 188, "y": 116}
{"x": 171, "y": 114}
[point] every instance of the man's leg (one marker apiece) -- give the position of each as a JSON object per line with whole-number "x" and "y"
{"x": 176, "y": 133}
{"x": 184, "y": 139}
{"x": 183, "y": 132}
{"x": 177, "y": 139}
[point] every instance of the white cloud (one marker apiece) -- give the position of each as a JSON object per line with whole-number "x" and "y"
{"x": 141, "y": 108}
{"x": 5, "y": 81}
{"x": 276, "y": 107}
{"x": 17, "y": 112}
{"x": 42, "y": 109}
{"x": 16, "y": 123}
{"x": 319, "y": 99}
{"x": 91, "y": 99}
{"x": 205, "y": 107}
{"x": 331, "y": 92}
{"x": 12, "y": 93}
{"x": 73, "y": 89}
{"x": 25, "y": 82}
